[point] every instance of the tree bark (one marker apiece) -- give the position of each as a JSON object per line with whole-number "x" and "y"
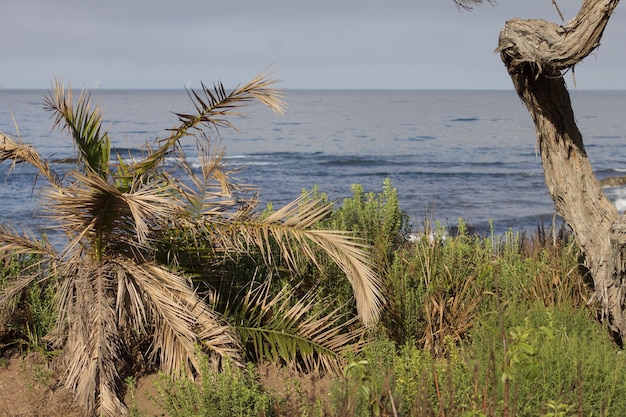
{"x": 536, "y": 54}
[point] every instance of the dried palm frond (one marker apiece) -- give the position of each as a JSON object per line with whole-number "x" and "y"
{"x": 210, "y": 193}
{"x": 93, "y": 207}
{"x": 217, "y": 103}
{"x": 290, "y": 229}
{"x": 19, "y": 152}
{"x": 213, "y": 109}
{"x": 83, "y": 123}
{"x": 110, "y": 288}
{"x": 283, "y": 329}
{"x": 98, "y": 300}
{"x": 180, "y": 319}
{"x": 93, "y": 350}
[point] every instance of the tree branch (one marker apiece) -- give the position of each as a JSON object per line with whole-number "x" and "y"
{"x": 555, "y": 47}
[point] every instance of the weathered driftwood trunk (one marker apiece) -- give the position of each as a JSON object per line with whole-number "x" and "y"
{"x": 536, "y": 53}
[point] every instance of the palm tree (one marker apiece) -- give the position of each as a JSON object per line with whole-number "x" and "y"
{"x": 113, "y": 287}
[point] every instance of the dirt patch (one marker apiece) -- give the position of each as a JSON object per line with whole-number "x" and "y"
{"x": 297, "y": 393}
{"x": 142, "y": 400}
{"x": 28, "y": 389}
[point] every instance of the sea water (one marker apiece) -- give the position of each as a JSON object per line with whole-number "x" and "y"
{"x": 449, "y": 154}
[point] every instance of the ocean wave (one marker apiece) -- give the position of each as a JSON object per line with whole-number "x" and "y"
{"x": 353, "y": 161}
{"x": 423, "y": 138}
{"x": 465, "y": 119}
{"x": 620, "y": 204}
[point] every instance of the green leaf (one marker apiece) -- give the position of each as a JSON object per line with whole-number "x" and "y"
{"x": 83, "y": 123}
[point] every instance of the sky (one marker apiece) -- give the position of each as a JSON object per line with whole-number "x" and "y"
{"x": 315, "y": 44}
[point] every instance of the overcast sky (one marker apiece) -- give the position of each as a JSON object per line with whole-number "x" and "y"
{"x": 336, "y": 44}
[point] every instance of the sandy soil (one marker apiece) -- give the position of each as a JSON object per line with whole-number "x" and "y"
{"x": 28, "y": 389}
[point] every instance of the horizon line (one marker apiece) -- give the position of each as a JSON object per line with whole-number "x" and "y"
{"x": 3, "y": 88}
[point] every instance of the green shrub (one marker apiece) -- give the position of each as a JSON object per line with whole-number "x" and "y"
{"x": 436, "y": 286}
{"x": 231, "y": 392}
{"x": 537, "y": 270}
{"x": 39, "y": 318}
{"x": 426, "y": 385}
{"x": 366, "y": 386}
{"x": 33, "y": 315}
{"x": 555, "y": 357}
{"x": 377, "y": 217}
{"x": 557, "y": 361}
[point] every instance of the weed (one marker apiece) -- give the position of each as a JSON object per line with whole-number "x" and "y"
{"x": 367, "y": 384}
{"x": 557, "y": 409}
{"x": 436, "y": 288}
{"x": 131, "y": 388}
{"x": 232, "y": 392}
{"x": 553, "y": 355}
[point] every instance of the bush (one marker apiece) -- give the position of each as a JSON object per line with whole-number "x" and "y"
{"x": 30, "y": 317}
{"x": 231, "y": 392}
{"x": 366, "y": 386}
{"x": 556, "y": 360}
{"x": 553, "y": 356}
{"x": 436, "y": 286}
{"x": 377, "y": 217}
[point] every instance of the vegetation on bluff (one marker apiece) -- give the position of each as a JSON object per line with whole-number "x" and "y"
{"x": 172, "y": 268}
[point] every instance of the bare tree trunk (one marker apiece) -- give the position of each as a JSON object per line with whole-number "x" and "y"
{"x": 536, "y": 53}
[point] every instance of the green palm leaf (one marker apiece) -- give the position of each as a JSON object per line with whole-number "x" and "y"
{"x": 280, "y": 328}
{"x": 83, "y": 123}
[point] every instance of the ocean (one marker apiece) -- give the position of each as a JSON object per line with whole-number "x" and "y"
{"x": 449, "y": 154}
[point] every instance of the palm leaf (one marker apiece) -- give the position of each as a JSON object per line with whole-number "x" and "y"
{"x": 93, "y": 207}
{"x": 109, "y": 285}
{"x": 93, "y": 346}
{"x": 83, "y": 123}
{"x": 282, "y": 329}
{"x": 19, "y": 152}
{"x": 212, "y": 192}
{"x": 290, "y": 228}
{"x": 180, "y": 318}
{"x": 213, "y": 108}
{"x": 469, "y": 4}
{"x": 15, "y": 246}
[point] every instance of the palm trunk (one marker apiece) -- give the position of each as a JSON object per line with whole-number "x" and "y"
{"x": 536, "y": 53}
